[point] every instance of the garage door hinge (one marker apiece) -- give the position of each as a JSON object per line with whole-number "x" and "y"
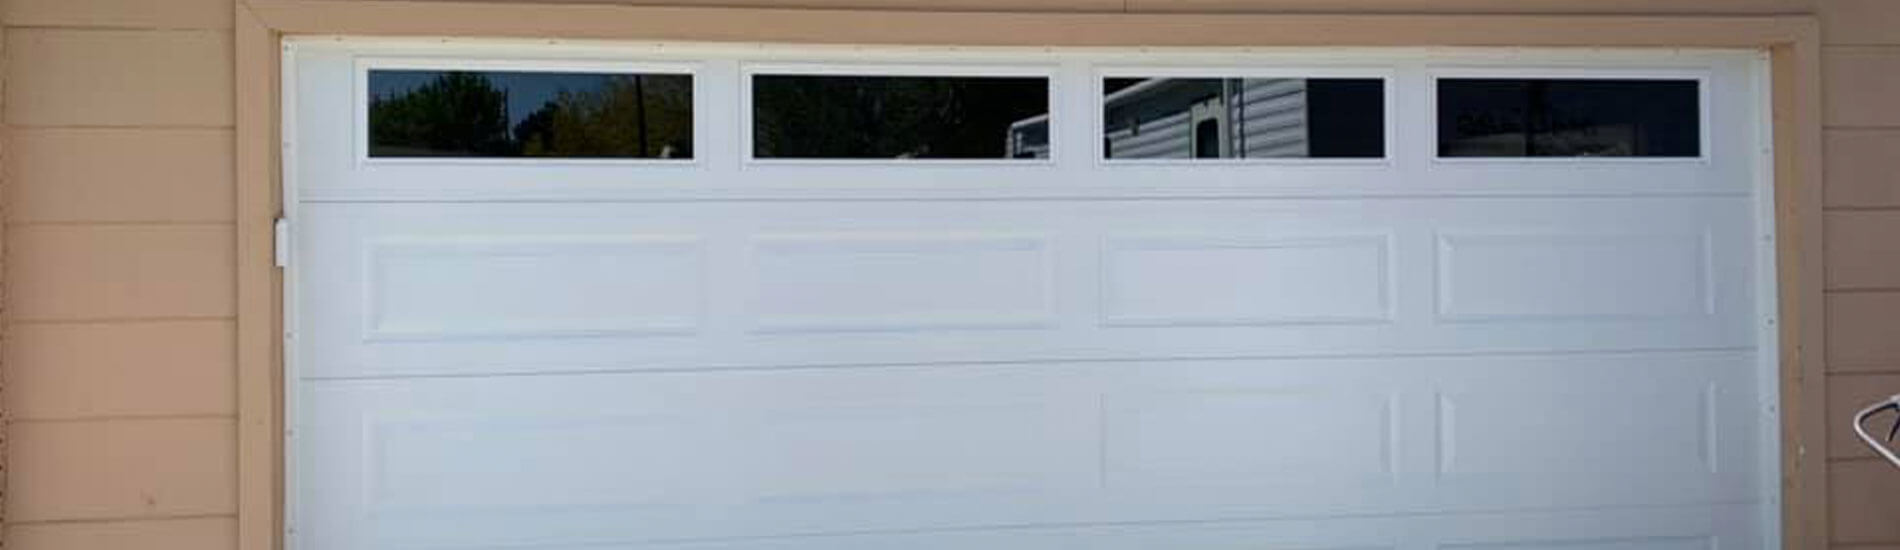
{"x": 280, "y": 242}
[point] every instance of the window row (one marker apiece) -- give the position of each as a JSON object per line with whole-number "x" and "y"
{"x": 489, "y": 114}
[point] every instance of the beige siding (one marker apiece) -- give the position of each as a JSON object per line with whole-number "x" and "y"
{"x": 1865, "y": 496}
{"x": 134, "y": 14}
{"x": 1862, "y": 67}
{"x": 67, "y": 77}
{"x": 181, "y": 534}
{"x": 1861, "y": 84}
{"x": 120, "y": 272}
{"x": 1860, "y": 168}
{"x": 119, "y": 355}
{"x": 1862, "y": 249}
{"x": 121, "y": 469}
{"x": 1861, "y": 22}
{"x": 66, "y": 371}
{"x": 119, "y": 175}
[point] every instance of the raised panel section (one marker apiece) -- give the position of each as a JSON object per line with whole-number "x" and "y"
{"x": 824, "y": 283}
{"x": 1224, "y": 437}
{"x": 1216, "y": 280}
{"x": 820, "y": 451}
{"x": 1553, "y": 431}
{"x": 1530, "y": 277}
{"x": 533, "y": 287}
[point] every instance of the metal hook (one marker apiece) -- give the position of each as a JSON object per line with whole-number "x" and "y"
{"x": 1892, "y": 404}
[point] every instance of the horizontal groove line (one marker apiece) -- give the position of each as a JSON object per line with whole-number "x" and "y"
{"x": 16, "y": 126}
{"x": 232, "y": 416}
{"x": 1877, "y": 47}
{"x": 1860, "y": 128}
{"x": 623, "y": 199}
{"x": 32, "y": 224}
{"x": 1862, "y": 290}
{"x": 1855, "y": 459}
{"x": 1877, "y": 208}
{"x": 1864, "y": 373}
{"x": 120, "y": 28}
{"x": 121, "y": 320}
{"x": 127, "y": 519}
{"x": 1031, "y": 527}
{"x": 928, "y": 364}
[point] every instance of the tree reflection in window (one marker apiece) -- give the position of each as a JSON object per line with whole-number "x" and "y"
{"x": 898, "y": 117}
{"x": 425, "y": 113}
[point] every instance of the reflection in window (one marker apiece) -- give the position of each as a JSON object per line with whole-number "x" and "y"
{"x": 1482, "y": 117}
{"x": 899, "y": 117}
{"x": 427, "y": 113}
{"x": 1178, "y": 118}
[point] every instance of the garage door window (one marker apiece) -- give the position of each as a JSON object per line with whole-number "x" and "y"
{"x": 1242, "y": 118}
{"x": 1508, "y": 117}
{"x": 502, "y": 114}
{"x": 899, "y": 117}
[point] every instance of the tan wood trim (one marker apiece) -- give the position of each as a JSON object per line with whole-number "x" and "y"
{"x": 259, "y": 286}
{"x": 596, "y": 21}
{"x": 1794, "y": 43}
{"x": 1796, "y": 115}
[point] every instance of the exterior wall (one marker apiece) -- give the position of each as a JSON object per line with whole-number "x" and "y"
{"x": 1861, "y": 64}
{"x": 119, "y": 200}
{"x": 120, "y": 350}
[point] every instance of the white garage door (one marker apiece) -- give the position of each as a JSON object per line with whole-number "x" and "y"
{"x": 617, "y": 296}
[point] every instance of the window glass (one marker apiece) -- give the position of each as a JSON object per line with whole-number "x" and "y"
{"x": 1238, "y": 118}
{"x": 1496, "y": 117}
{"x": 899, "y": 117}
{"x": 429, "y": 113}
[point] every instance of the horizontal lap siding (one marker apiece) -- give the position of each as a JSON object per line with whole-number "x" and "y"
{"x": 1861, "y": 64}
{"x": 120, "y": 353}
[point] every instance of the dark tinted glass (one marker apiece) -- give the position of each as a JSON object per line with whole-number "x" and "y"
{"x": 899, "y": 117}
{"x": 1163, "y": 118}
{"x": 1482, "y": 117}
{"x": 416, "y": 113}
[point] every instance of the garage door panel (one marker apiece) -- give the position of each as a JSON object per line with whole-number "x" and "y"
{"x": 871, "y": 281}
{"x": 494, "y": 286}
{"x": 469, "y": 288}
{"x": 447, "y": 462}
